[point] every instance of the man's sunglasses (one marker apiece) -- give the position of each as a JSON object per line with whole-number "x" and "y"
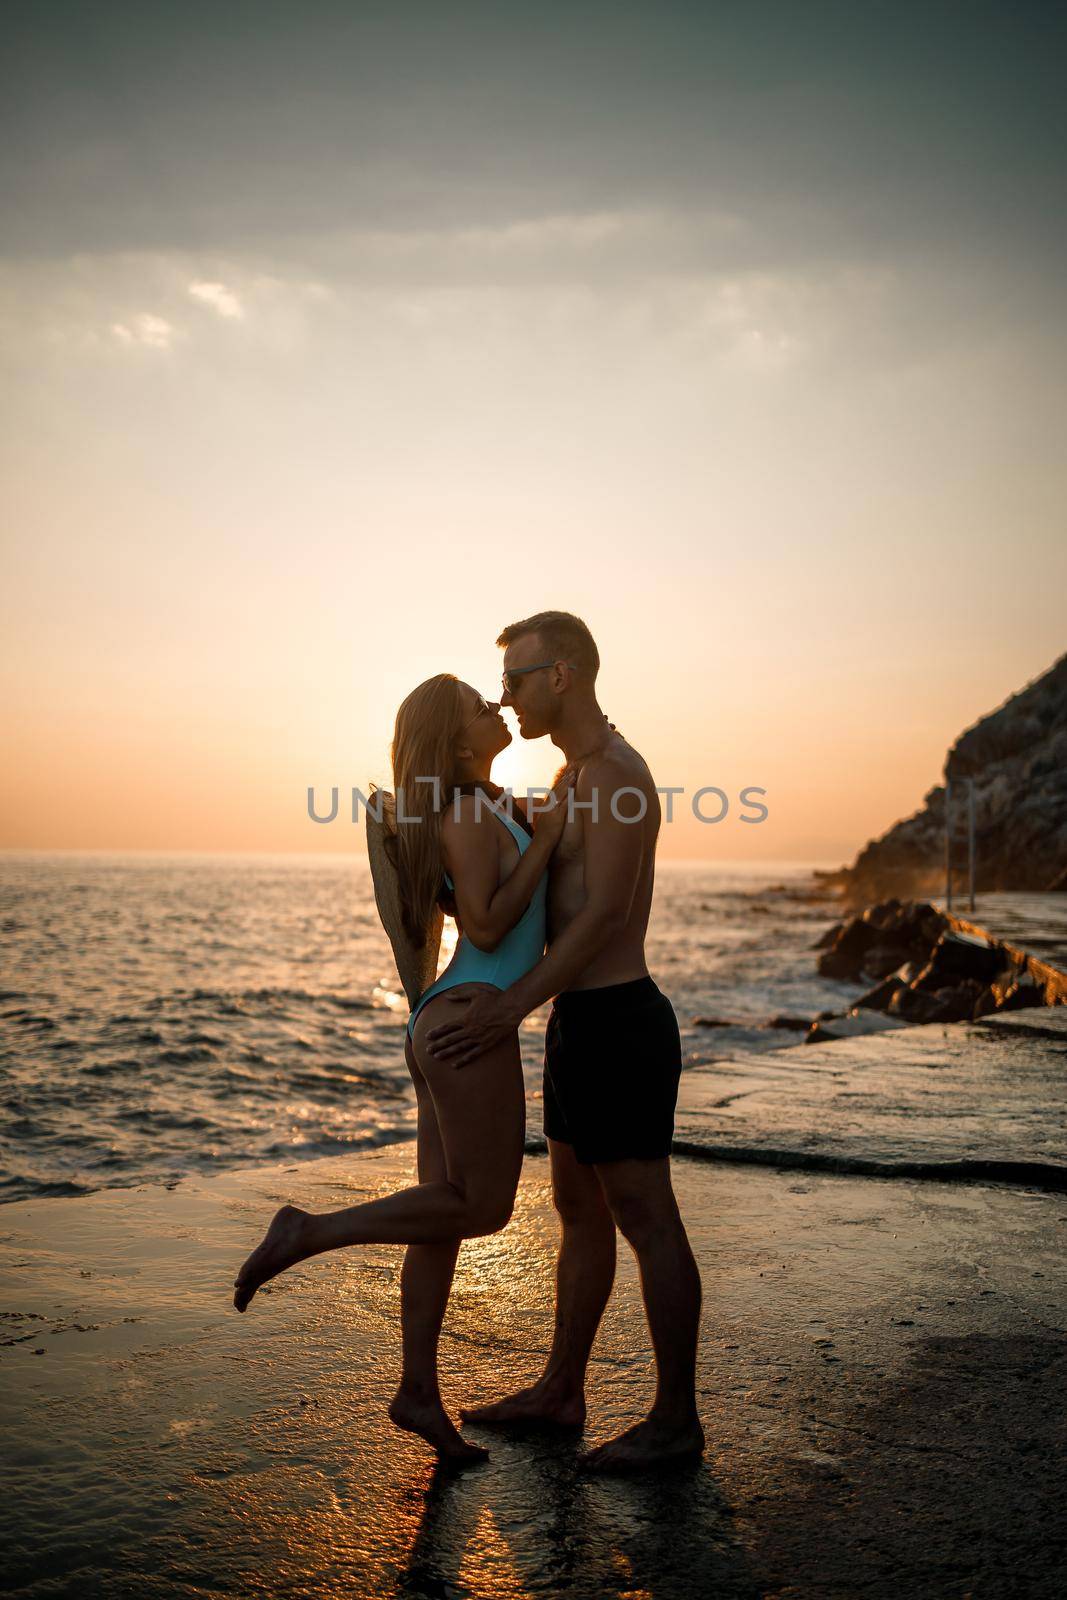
{"x": 510, "y": 680}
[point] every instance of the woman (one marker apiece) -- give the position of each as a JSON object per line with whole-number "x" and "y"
{"x": 471, "y": 1122}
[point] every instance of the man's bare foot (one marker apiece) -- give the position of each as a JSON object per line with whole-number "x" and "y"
{"x": 543, "y": 1404}
{"x": 648, "y": 1445}
{"x": 283, "y": 1245}
{"x": 426, "y": 1416}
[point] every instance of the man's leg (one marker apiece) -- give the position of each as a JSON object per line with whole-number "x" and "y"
{"x": 642, "y": 1202}
{"x": 585, "y": 1271}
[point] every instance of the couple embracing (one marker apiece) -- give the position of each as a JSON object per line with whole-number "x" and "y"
{"x": 580, "y": 881}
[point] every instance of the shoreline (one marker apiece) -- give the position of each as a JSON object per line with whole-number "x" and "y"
{"x": 926, "y": 1090}
{"x": 738, "y": 1056}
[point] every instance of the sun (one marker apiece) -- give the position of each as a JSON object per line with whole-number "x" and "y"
{"x": 525, "y": 764}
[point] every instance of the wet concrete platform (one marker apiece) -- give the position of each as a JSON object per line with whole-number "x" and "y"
{"x": 946, "y": 1101}
{"x": 882, "y": 1377}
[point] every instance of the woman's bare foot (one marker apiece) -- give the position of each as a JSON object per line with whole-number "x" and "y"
{"x": 653, "y": 1443}
{"x": 421, "y": 1413}
{"x": 284, "y": 1244}
{"x": 546, "y": 1403}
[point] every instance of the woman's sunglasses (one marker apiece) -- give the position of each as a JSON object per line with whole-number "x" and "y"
{"x": 483, "y": 707}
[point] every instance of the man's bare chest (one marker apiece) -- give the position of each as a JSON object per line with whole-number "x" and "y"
{"x": 570, "y": 850}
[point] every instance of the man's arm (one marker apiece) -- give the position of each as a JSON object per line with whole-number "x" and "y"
{"x": 612, "y": 857}
{"x": 487, "y": 910}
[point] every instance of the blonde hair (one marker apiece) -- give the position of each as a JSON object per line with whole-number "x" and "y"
{"x": 428, "y": 724}
{"x": 564, "y": 636}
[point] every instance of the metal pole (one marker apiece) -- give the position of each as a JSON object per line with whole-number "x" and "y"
{"x": 970, "y": 838}
{"x": 948, "y": 845}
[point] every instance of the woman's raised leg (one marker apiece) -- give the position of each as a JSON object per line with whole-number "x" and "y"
{"x": 481, "y": 1117}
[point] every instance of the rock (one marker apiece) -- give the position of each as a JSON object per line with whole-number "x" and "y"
{"x": 915, "y": 1005}
{"x": 958, "y": 1003}
{"x": 957, "y": 956}
{"x": 878, "y": 998}
{"x": 995, "y": 996}
{"x": 879, "y": 941}
{"x": 1017, "y": 757}
{"x": 796, "y": 1024}
{"x": 852, "y": 1026}
{"x": 889, "y": 914}
{"x": 1022, "y": 994}
{"x": 954, "y": 971}
{"x": 844, "y": 958}
{"x": 712, "y": 1022}
{"x": 881, "y": 960}
{"x": 818, "y": 1033}
{"x": 988, "y": 1002}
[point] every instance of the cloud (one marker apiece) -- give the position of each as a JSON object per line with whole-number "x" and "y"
{"x": 92, "y": 304}
{"x": 599, "y": 248}
{"x": 610, "y": 283}
{"x": 145, "y": 329}
{"x": 848, "y": 138}
{"x": 219, "y": 298}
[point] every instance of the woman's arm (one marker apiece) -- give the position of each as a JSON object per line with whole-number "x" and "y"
{"x": 487, "y": 910}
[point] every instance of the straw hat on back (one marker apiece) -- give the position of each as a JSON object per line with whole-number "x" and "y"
{"x": 417, "y": 968}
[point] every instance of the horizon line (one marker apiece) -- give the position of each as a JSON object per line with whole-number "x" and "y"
{"x": 349, "y": 855}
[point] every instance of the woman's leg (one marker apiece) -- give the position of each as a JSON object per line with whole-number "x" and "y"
{"x": 425, "y": 1282}
{"x": 481, "y": 1117}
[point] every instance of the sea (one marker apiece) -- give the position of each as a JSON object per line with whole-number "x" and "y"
{"x": 165, "y": 1015}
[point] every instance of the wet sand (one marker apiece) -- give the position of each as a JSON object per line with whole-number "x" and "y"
{"x": 882, "y": 1379}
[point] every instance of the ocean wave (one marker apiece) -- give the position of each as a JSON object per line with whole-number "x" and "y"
{"x": 157, "y": 1118}
{"x": 29, "y": 1019}
{"x": 16, "y": 1187}
{"x": 178, "y": 1057}
{"x": 337, "y": 1144}
{"x": 268, "y": 996}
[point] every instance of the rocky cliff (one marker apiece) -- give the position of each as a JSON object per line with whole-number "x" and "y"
{"x": 1017, "y": 756}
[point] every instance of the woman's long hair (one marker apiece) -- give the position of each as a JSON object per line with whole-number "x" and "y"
{"x": 424, "y": 742}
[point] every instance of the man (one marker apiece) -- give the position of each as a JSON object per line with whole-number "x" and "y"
{"x": 612, "y": 1056}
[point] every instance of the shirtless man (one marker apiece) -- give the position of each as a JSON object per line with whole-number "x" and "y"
{"x": 612, "y": 1057}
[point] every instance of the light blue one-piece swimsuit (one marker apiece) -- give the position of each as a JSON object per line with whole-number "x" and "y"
{"x": 518, "y": 951}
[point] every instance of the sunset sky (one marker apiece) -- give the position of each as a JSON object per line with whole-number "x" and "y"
{"x": 334, "y": 337}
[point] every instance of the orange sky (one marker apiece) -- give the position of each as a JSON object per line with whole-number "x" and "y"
{"x": 748, "y": 349}
{"x": 206, "y": 735}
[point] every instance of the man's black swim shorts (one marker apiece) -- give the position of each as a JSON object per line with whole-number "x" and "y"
{"x": 613, "y": 1058}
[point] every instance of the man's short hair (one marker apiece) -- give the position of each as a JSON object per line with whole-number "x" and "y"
{"x": 564, "y": 636}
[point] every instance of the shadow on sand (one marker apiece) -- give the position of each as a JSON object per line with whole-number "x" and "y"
{"x": 539, "y": 1525}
